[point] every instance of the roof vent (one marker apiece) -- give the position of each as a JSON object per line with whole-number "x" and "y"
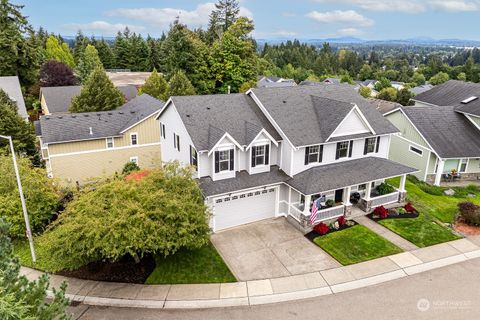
{"x": 91, "y": 131}
{"x": 74, "y": 116}
{"x": 60, "y": 117}
{"x": 468, "y": 100}
{"x": 188, "y": 116}
{"x": 284, "y": 101}
{"x": 85, "y": 115}
{"x": 208, "y": 108}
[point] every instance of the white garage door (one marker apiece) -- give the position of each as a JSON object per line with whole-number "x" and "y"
{"x": 244, "y": 208}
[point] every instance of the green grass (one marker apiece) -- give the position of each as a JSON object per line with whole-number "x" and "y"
{"x": 356, "y": 244}
{"x": 195, "y": 266}
{"x": 422, "y": 231}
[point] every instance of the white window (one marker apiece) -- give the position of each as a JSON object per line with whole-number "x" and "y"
{"x": 193, "y": 157}
{"x": 176, "y": 141}
{"x": 342, "y": 149}
{"x": 416, "y": 150}
{"x": 370, "y": 145}
{"x": 259, "y": 155}
{"x": 314, "y": 154}
{"x": 463, "y": 165}
{"x": 110, "y": 143}
{"x": 224, "y": 160}
{"x": 134, "y": 160}
{"x": 133, "y": 139}
{"x": 162, "y": 131}
{"x": 362, "y": 187}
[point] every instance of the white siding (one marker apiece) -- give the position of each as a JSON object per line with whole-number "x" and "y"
{"x": 352, "y": 124}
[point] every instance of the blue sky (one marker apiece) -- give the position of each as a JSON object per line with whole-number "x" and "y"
{"x": 304, "y": 19}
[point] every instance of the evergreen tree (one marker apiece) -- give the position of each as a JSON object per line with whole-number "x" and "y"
{"x": 121, "y": 49}
{"x": 105, "y": 53}
{"x": 54, "y": 74}
{"x": 81, "y": 43}
{"x": 403, "y": 97}
{"x": 179, "y": 85}
{"x": 225, "y": 15}
{"x": 139, "y": 53}
{"x": 21, "y": 298}
{"x": 18, "y": 45}
{"x": 59, "y": 51}
{"x": 98, "y": 94}
{"x": 156, "y": 86}
{"x": 154, "y": 59}
{"x": 88, "y": 62}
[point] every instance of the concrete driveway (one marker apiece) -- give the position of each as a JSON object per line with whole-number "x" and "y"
{"x": 269, "y": 249}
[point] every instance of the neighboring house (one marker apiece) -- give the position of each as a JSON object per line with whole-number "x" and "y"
{"x": 271, "y": 82}
{"x": 272, "y": 151}
{"x": 398, "y": 85}
{"x": 56, "y": 100}
{"x": 80, "y": 146}
{"x": 383, "y": 106}
{"x": 368, "y": 83}
{"x": 421, "y": 89}
{"x": 128, "y": 78}
{"x": 332, "y": 81}
{"x": 11, "y": 86}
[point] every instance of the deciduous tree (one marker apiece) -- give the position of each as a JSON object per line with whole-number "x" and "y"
{"x": 179, "y": 85}
{"x": 439, "y": 78}
{"x": 59, "y": 52}
{"x": 54, "y": 74}
{"x": 88, "y": 62}
{"x": 156, "y": 86}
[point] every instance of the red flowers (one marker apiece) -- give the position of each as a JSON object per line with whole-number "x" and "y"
{"x": 342, "y": 221}
{"x": 381, "y": 212}
{"x": 409, "y": 208}
{"x": 321, "y": 228}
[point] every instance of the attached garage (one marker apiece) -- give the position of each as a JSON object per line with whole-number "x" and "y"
{"x": 243, "y": 208}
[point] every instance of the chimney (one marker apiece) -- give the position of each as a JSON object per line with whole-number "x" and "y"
{"x": 91, "y": 131}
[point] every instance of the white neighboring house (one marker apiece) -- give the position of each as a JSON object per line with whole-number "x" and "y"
{"x": 271, "y": 152}
{"x": 11, "y": 86}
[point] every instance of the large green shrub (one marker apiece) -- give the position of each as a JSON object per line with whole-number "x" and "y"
{"x": 385, "y": 188}
{"x": 41, "y": 196}
{"x": 469, "y": 213}
{"x": 161, "y": 213}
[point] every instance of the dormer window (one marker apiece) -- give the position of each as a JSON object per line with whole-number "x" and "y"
{"x": 313, "y": 154}
{"x": 260, "y": 155}
{"x": 224, "y": 160}
{"x": 371, "y": 145}
{"x": 344, "y": 149}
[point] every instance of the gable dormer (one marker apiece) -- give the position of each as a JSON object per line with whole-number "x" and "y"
{"x": 261, "y": 150}
{"x": 224, "y": 152}
{"x": 354, "y": 123}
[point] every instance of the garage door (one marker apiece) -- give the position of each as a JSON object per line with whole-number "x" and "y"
{"x": 244, "y": 208}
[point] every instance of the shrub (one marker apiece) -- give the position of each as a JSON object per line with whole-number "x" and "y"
{"x": 129, "y": 167}
{"x": 409, "y": 208}
{"x": 342, "y": 221}
{"x": 321, "y": 228}
{"x": 385, "y": 188}
{"x": 329, "y": 203}
{"x": 469, "y": 213}
{"x": 381, "y": 212}
{"x": 401, "y": 211}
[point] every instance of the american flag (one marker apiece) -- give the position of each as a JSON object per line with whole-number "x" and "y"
{"x": 314, "y": 211}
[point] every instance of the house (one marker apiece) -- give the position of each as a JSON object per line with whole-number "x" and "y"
{"x": 270, "y": 82}
{"x": 271, "y": 151}
{"x": 79, "y": 146}
{"x": 54, "y": 100}
{"x": 332, "y": 81}
{"x": 11, "y": 86}
{"x": 383, "y": 106}
{"x": 440, "y": 133}
{"x": 398, "y": 85}
{"x": 421, "y": 89}
{"x": 368, "y": 83}
{"x": 121, "y": 78}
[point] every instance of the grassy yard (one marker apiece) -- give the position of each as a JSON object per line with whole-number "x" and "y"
{"x": 197, "y": 266}
{"x": 356, "y": 244}
{"x": 422, "y": 231}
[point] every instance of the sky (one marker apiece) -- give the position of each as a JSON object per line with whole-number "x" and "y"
{"x": 285, "y": 19}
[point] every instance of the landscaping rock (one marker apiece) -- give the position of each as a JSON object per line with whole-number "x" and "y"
{"x": 449, "y": 192}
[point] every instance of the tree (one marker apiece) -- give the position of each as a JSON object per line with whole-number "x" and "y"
{"x": 248, "y": 85}
{"x": 346, "y": 79}
{"x": 462, "y": 76}
{"x": 160, "y": 213}
{"x": 225, "y": 15}
{"x": 18, "y": 46}
{"x": 439, "y": 78}
{"x": 97, "y": 94}
{"x": 389, "y": 94}
{"x": 81, "y": 43}
{"x": 21, "y": 298}
{"x": 54, "y": 74}
{"x": 179, "y": 85}
{"x": 88, "y": 62}
{"x": 60, "y": 52}
{"x": 403, "y": 97}
{"x": 366, "y": 72}
{"x": 382, "y": 84}
{"x": 41, "y": 196}
{"x": 156, "y": 86}
{"x": 105, "y": 53}
{"x": 418, "y": 79}
{"x": 12, "y": 124}
{"x": 365, "y": 92}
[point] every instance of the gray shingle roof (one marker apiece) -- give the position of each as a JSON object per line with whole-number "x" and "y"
{"x": 11, "y": 86}
{"x": 383, "y": 106}
{"x": 449, "y": 133}
{"x": 295, "y": 112}
{"x": 421, "y": 89}
{"x": 76, "y": 126}
{"x": 346, "y": 173}
{"x": 450, "y": 93}
{"x": 59, "y": 99}
{"x": 208, "y": 117}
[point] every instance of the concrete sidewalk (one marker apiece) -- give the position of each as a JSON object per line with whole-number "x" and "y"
{"x": 267, "y": 290}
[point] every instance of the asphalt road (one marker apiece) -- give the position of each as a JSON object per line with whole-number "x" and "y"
{"x": 452, "y": 292}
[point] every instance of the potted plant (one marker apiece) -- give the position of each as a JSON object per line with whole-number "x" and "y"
{"x": 329, "y": 203}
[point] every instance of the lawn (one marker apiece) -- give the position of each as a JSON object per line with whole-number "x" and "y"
{"x": 422, "y": 231}
{"x": 196, "y": 266}
{"x": 356, "y": 244}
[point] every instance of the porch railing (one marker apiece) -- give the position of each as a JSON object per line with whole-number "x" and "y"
{"x": 385, "y": 199}
{"x": 296, "y": 213}
{"x": 330, "y": 213}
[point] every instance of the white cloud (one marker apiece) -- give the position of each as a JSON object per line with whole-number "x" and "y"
{"x": 162, "y": 17}
{"x": 284, "y": 33}
{"x": 454, "y": 6}
{"x": 349, "y": 17}
{"x": 103, "y": 27}
{"x": 349, "y": 32}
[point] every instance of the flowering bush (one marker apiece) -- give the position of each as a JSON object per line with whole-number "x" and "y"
{"x": 409, "y": 208}
{"x": 342, "y": 221}
{"x": 321, "y": 228}
{"x": 381, "y": 212}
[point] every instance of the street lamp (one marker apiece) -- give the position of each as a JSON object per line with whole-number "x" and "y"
{"x": 22, "y": 198}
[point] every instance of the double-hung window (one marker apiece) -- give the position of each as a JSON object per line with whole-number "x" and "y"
{"x": 162, "y": 131}
{"x": 370, "y": 145}
{"x": 260, "y": 155}
{"x": 133, "y": 139}
{"x": 224, "y": 160}
{"x": 176, "y": 141}
{"x": 344, "y": 149}
{"x": 313, "y": 154}
{"x": 109, "y": 142}
{"x": 463, "y": 165}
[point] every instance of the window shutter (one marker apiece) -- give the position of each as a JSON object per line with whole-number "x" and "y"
{"x": 217, "y": 162}
{"x": 365, "y": 148}
{"x": 191, "y": 158}
{"x": 253, "y": 150}
{"x": 267, "y": 154}
{"x": 307, "y": 150}
{"x": 232, "y": 151}
{"x": 350, "y": 149}
{"x": 337, "y": 156}
{"x": 174, "y": 141}
{"x": 378, "y": 145}
{"x": 178, "y": 143}
{"x": 320, "y": 158}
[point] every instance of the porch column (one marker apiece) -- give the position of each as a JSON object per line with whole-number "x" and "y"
{"x": 346, "y": 197}
{"x": 368, "y": 191}
{"x": 306, "y": 208}
{"x": 438, "y": 175}
{"x": 289, "y": 199}
{"x": 403, "y": 179}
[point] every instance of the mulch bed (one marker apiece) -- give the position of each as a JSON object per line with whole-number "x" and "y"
{"x": 124, "y": 270}
{"x": 400, "y": 216}
{"x": 314, "y": 234}
{"x": 466, "y": 229}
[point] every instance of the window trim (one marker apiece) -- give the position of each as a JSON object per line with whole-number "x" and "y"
{"x": 134, "y": 159}
{"x": 113, "y": 142}
{"x": 347, "y": 150}
{"x": 227, "y": 160}
{"x": 176, "y": 142}
{"x": 163, "y": 133}
{"x": 410, "y": 148}
{"x": 193, "y": 156}
{"x": 374, "y": 145}
{"x": 460, "y": 162}
{"x": 134, "y": 134}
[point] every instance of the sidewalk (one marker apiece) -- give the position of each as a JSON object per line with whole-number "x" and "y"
{"x": 387, "y": 234}
{"x": 268, "y": 290}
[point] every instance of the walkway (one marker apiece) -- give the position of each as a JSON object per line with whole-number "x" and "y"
{"x": 387, "y": 234}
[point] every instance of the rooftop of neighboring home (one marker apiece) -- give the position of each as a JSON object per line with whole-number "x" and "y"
{"x": 58, "y": 99}
{"x": 128, "y": 78}
{"x": 11, "y": 86}
{"x": 96, "y": 125}
{"x": 270, "y": 82}
{"x": 383, "y": 106}
{"x": 421, "y": 89}
{"x": 332, "y": 81}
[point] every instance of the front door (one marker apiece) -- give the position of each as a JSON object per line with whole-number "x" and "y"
{"x": 338, "y": 195}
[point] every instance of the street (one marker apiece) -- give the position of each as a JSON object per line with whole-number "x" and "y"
{"x": 450, "y": 293}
